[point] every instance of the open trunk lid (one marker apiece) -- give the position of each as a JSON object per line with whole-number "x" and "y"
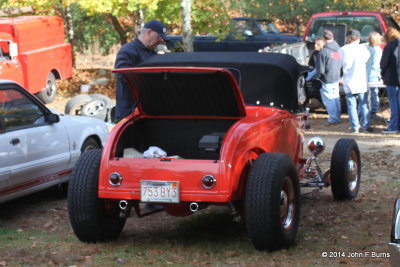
{"x": 185, "y": 91}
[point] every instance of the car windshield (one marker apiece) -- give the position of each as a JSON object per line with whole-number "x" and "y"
{"x": 268, "y": 27}
{"x": 246, "y": 27}
{"x": 364, "y": 24}
{"x": 392, "y": 24}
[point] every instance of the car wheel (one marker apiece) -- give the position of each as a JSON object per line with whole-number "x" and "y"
{"x": 345, "y": 172}
{"x": 95, "y": 108}
{"x": 272, "y": 202}
{"x": 49, "y": 93}
{"x": 109, "y": 104}
{"x": 89, "y": 144}
{"x": 93, "y": 219}
{"x": 75, "y": 104}
{"x": 106, "y": 99}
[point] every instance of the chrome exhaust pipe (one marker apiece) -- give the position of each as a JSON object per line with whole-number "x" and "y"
{"x": 194, "y": 206}
{"x": 123, "y": 205}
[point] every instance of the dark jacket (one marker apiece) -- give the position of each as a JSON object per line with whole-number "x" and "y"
{"x": 329, "y": 63}
{"x": 313, "y": 58}
{"x": 130, "y": 55}
{"x": 389, "y": 64}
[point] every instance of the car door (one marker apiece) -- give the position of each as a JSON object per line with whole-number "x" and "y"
{"x": 38, "y": 151}
{"x": 9, "y": 69}
{"x": 5, "y": 170}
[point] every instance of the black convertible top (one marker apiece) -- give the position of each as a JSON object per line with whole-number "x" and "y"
{"x": 267, "y": 79}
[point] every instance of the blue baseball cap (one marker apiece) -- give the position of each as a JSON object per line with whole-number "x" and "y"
{"x": 158, "y": 27}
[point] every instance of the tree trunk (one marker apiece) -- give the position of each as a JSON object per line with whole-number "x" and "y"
{"x": 70, "y": 31}
{"x": 123, "y": 39}
{"x": 137, "y": 21}
{"x": 186, "y": 14}
{"x": 66, "y": 15}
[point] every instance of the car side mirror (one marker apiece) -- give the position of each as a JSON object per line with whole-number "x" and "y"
{"x": 53, "y": 118}
{"x": 13, "y": 50}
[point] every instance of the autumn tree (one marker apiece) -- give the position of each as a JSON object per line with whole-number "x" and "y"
{"x": 187, "y": 36}
{"x": 93, "y": 18}
{"x": 117, "y": 10}
{"x": 296, "y": 13}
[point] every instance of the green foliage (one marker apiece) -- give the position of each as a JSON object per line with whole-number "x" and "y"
{"x": 90, "y": 30}
{"x": 208, "y": 16}
{"x": 298, "y": 12}
{"x": 169, "y": 11}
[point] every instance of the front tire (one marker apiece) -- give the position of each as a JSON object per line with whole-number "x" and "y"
{"x": 92, "y": 219}
{"x": 89, "y": 144}
{"x": 345, "y": 169}
{"x": 272, "y": 202}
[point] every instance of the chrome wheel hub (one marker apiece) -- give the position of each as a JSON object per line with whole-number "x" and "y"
{"x": 287, "y": 203}
{"x": 352, "y": 169}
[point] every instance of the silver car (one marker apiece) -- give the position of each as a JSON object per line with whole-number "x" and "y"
{"x": 38, "y": 147}
{"x": 394, "y": 245}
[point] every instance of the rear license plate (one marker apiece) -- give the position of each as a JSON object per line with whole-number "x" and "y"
{"x": 159, "y": 191}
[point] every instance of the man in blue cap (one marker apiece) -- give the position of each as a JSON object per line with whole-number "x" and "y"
{"x": 132, "y": 54}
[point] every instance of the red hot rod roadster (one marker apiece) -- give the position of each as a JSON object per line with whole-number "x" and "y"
{"x": 216, "y": 128}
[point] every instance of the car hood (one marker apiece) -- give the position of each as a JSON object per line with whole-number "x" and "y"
{"x": 291, "y": 38}
{"x": 185, "y": 91}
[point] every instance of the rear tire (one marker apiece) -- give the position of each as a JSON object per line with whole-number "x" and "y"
{"x": 345, "y": 169}
{"x": 49, "y": 93}
{"x": 272, "y": 202}
{"x": 92, "y": 219}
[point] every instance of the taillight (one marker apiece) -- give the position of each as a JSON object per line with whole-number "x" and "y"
{"x": 208, "y": 181}
{"x": 115, "y": 179}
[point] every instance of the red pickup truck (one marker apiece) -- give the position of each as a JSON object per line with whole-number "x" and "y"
{"x": 341, "y": 22}
{"x": 33, "y": 52}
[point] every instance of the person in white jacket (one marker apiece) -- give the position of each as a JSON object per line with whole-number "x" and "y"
{"x": 355, "y": 81}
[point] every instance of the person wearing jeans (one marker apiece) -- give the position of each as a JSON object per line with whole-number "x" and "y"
{"x": 354, "y": 59}
{"x": 393, "y": 93}
{"x": 327, "y": 68}
{"x": 353, "y": 108}
{"x": 390, "y": 70}
{"x": 374, "y": 70}
{"x": 331, "y": 100}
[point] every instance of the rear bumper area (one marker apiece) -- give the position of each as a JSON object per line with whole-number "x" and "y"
{"x": 188, "y": 174}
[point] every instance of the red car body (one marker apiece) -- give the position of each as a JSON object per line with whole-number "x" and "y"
{"x": 231, "y": 125}
{"x": 34, "y": 53}
{"x": 254, "y": 130}
{"x": 282, "y": 134}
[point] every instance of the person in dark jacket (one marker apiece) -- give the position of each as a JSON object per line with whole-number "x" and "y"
{"x": 328, "y": 67}
{"x": 390, "y": 70}
{"x": 130, "y": 55}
